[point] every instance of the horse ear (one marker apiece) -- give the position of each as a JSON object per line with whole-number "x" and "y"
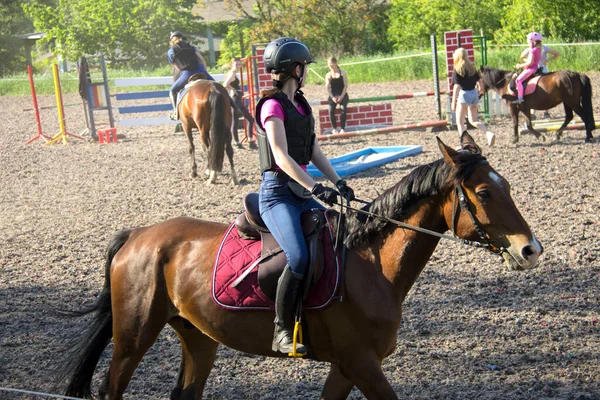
{"x": 448, "y": 152}
{"x": 468, "y": 143}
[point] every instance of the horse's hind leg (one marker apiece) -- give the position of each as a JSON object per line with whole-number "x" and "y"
{"x": 229, "y": 152}
{"x": 568, "y": 118}
{"x": 137, "y": 322}
{"x": 192, "y": 149}
{"x": 337, "y": 386}
{"x": 198, "y": 355}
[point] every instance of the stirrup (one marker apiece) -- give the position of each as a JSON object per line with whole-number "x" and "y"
{"x": 297, "y": 339}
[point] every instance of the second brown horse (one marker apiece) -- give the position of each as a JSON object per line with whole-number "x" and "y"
{"x": 161, "y": 274}
{"x": 206, "y": 106}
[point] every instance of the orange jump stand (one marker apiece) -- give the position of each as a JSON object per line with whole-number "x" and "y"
{"x": 105, "y": 136}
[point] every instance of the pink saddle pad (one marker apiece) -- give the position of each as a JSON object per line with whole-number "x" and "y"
{"x": 529, "y": 88}
{"x": 236, "y": 254}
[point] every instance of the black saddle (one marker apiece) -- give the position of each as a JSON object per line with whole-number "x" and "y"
{"x": 272, "y": 262}
{"x": 513, "y": 82}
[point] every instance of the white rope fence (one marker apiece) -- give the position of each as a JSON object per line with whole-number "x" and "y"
{"x": 40, "y": 394}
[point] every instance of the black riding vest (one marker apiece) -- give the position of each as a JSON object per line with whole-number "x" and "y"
{"x": 299, "y": 131}
{"x": 184, "y": 56}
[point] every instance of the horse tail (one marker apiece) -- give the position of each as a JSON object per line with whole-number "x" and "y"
{"x": 219, "y": 134}
{"x": 586, "y": 101}
{"x": 88, "y": 348}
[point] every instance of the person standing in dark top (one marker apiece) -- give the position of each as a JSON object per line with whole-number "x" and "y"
{"x": 336, "y": 81}
{"x": 465, "y": 96}
{"x": 232, "y": 84}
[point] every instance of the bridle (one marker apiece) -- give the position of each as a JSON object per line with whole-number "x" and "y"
{"x": 486, "y": 241}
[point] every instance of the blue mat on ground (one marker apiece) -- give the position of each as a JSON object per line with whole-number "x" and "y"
{"x": 367, "y": 158}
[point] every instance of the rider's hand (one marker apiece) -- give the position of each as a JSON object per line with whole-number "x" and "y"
{"x": 326, "y": 194}
{"x": 345, "y": 190}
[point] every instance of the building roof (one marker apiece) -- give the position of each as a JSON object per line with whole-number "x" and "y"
{"x": 217, "y": 10}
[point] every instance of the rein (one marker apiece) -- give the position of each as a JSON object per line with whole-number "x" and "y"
{"x": 485, "y": 242}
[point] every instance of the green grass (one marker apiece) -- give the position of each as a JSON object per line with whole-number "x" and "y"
{"x": 582, "y": 58}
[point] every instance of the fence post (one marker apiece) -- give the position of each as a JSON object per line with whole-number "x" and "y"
{"x": 436, "y": 78}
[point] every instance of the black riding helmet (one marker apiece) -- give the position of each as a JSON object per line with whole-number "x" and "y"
{"x": 176, "y": 33}
{"x": 281, "y": 55}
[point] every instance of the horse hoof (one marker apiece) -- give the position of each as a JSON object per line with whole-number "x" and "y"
{"x": 590, "y": 140}
{"x": 542, "y": 138}
{"x": 194, "y": 174}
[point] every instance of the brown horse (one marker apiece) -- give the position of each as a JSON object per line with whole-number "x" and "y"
{"x": 572, "y": 89}
{"x": 161, "y": 274}
{"x": 206, "y": 106}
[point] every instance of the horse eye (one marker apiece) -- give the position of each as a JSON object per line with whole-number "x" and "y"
{"x": 483, "y": 194}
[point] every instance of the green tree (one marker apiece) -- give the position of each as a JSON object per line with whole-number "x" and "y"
{"x": 132, "y": 33}
{"x": 326, "y": 26}
{"x": 413, "y": 21}
{"x": 566, "y": 19}
{"x": 13, "y": 22}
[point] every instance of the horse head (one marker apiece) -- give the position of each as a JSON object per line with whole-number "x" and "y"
{"x": 493, "y": 78}
{"x": 481, "y": 208}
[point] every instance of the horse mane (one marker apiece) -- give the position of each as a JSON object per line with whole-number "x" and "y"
{"x": 494, "y": 77}
{"x": 425, "y": 181}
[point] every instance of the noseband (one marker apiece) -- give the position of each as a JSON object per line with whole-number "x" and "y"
{"x": 486, "y": 241}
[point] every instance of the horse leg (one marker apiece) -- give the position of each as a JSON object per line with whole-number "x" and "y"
{"x": 586, "y": 121}
{"x": 514, "y": 114}
{"x": 229, "y": 152}
{"x": 192, "y": 149}
{"x": 137, "y": 320}
{"x": 337, "y": 386}
{"x": 212, "y": 177}
{"x": 198, "y": 356}
{"x": 568, "y": 118}
{"x": 527, "y": 116}
{"x": 366, "y": 373}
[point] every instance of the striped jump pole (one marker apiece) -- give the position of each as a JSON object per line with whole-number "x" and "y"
{"x": 545, "y": 122}
{"x": 36, "y": 109}
{"x": 62, "y": 135}
{"x": 385, "y": 129}
{"x": 553, "y": 128}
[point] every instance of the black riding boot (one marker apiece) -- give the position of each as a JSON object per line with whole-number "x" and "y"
{"x": 285, "y": 303}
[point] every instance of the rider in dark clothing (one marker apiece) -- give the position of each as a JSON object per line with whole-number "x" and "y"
{"x": 286, "y": 144}
{"x": 188, "y": 61}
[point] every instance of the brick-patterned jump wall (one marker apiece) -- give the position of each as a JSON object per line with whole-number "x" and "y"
{"x": 451, "y": 39}
{"x": 369, "y": 114}
{"x": 265, "y": 81}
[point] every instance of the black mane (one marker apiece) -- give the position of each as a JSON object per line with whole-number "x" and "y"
{"x": 493, "y": 77}
{"x": 424, "y": 181}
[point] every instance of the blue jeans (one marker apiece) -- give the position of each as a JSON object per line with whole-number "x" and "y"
{"x": 185, "y": 75}
{"x": 280, "y": 209}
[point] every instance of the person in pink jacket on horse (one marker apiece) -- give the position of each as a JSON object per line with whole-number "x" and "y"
{"x": 530, "y": 65}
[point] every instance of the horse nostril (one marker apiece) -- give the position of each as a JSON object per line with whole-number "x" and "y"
{"x": 527, "y": 252}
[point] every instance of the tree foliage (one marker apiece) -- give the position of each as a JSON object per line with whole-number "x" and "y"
{"x": 413, "y": 21}
{"x": 567, "y": 19}
{"x": 13, "y": 21}
{"x": 132, "y": 33}
{"x": 326, "y": 26}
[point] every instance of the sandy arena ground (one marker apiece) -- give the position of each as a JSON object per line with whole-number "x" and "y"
{"x": 471, "y": 329}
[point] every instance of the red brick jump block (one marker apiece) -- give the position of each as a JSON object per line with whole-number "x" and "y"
{"x": 369, "y": 114}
